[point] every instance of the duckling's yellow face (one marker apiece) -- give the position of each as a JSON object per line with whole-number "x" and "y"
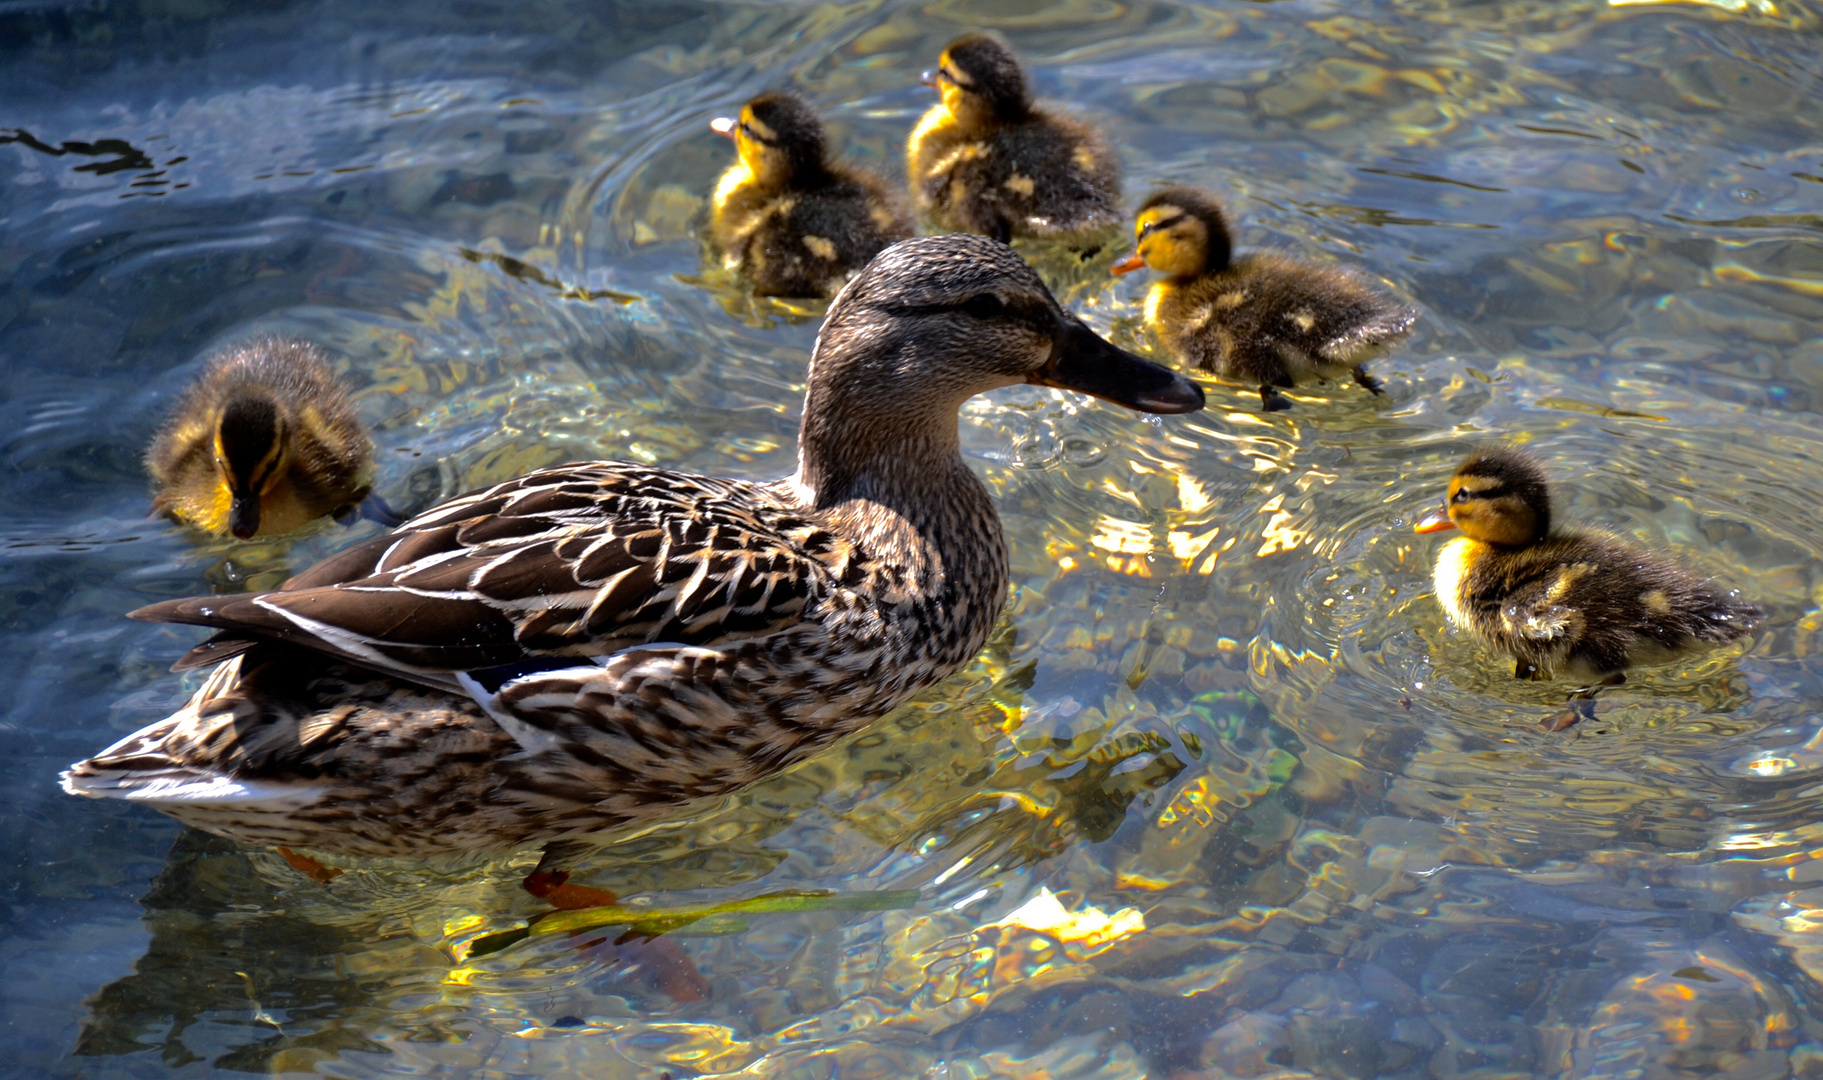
{"x": 1488, "y": 509}
{"x": 1171, "y": 241}
{"x": 960, "y": 95}
{"x": 758, "y": 146}
{"x": 251, "y": 459}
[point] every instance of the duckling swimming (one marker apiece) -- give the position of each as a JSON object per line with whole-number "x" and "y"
{"x": 986, "y": 159}
{"x": 1579, "y": 602}
{"x": 264, "y": 443}
{"x": 785, "y": 216}
{"x": 1265, "y": 319}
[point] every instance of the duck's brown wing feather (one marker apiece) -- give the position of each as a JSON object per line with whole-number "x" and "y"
{"x": 577, "y": 560}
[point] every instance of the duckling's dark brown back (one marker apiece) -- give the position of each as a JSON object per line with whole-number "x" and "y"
{"x": 1616, "y": 601}
{"x": 1027, "y": 171}
{"x": 1271, "y": 319}
{"x": 811, "y": 246}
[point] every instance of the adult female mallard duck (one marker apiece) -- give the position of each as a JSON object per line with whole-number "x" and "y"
{"x": 987, "y": 159}
{"x": 1267, "y": 319}
{"x": 784, "y": 215}
{"x": 1581, "y": 602}
{"x": 263, "y": 443}
{"x": 596, "y": 642}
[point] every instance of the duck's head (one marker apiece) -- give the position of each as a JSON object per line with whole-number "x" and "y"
{"x": 1498, "y": 496}
{"x": 250, "y": 457}
{"x": 934, "y": 320}
{"x": 1182, "y": 232}
{"x": 981, "y": 81}
{"x": 778, "y": 136}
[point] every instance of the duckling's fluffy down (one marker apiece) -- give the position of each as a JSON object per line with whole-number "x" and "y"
{"x": 808, "y": 241}
{"x": 1271, "y": 319}
{"x": 1047, "y": 175}
{"x": 328, "y": 452}
{"x": 1583, "y": 603}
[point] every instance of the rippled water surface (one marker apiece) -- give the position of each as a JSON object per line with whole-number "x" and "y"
{"x": 1224, "y": 797}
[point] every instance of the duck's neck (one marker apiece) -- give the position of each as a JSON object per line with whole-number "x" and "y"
{"x": 884, "y": 465}
{"x": 853, "y": 450}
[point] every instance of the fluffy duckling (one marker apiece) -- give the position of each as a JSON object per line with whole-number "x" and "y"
{"x": 986, "y": 159}
{"x": 1266, "y": 319}
{"x": 1579, "y": 602}
{"x": 264, "y": 443}
{"x": 785, "y": 216}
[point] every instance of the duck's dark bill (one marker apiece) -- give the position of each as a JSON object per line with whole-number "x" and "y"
{"x": 1081, "y": 360}
{"x": 1436, "y": 522}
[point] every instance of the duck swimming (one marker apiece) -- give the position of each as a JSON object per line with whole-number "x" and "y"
{"x": 598, "y": 642}
{"x": 263, "y": 443}
{"x": 1266, "y": 319}
{"x": 1576, "y": 602}
{"x": 785, "y": 216}
{"x": 987, "y": 159}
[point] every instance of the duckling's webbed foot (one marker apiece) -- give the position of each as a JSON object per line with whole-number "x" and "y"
{"x": 1273, "y": 401}
{"x": 1574, "y": 712}
{"x": 1581, "y": 705}
{"x": 1373, "y": 385}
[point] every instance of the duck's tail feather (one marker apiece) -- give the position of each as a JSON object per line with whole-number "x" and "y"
{"x": 175, "y": 787}
{"x": 157, "y": 764}
{"x": 218, "y": 649}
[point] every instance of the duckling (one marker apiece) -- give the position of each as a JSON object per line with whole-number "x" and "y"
{"x": 1266, "y": 319}
{"x": 264, "y": 443}
{"x": 785, "y": 216}
{"x": 1579, "y": 602}
{"x": 986, "y": 159}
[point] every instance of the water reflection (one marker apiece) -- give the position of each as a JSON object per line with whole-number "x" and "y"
{"x": 1287, "y": 823}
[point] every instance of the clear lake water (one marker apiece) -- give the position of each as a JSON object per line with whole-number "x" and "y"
{"x": 1224, "y": 797}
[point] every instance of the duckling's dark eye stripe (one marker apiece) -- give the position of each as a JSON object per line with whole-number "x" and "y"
{"x": 748, "y": 130}
{"x": 1162, "y": 223}
{"x": 1491, "y": 491}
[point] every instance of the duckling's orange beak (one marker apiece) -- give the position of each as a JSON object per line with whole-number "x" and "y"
{"x": 724, "y": 126}
{"x": 1437, "y": 521}
{"x": 1128, "y": 265}
{"x": 928, "y": 77}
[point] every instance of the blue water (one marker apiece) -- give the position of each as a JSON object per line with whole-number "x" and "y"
{"x": 1289, "y": 824}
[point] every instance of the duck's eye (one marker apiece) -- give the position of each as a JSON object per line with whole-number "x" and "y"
{"x": 984, "y": 306}
{"x": 1461, "y": 496}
